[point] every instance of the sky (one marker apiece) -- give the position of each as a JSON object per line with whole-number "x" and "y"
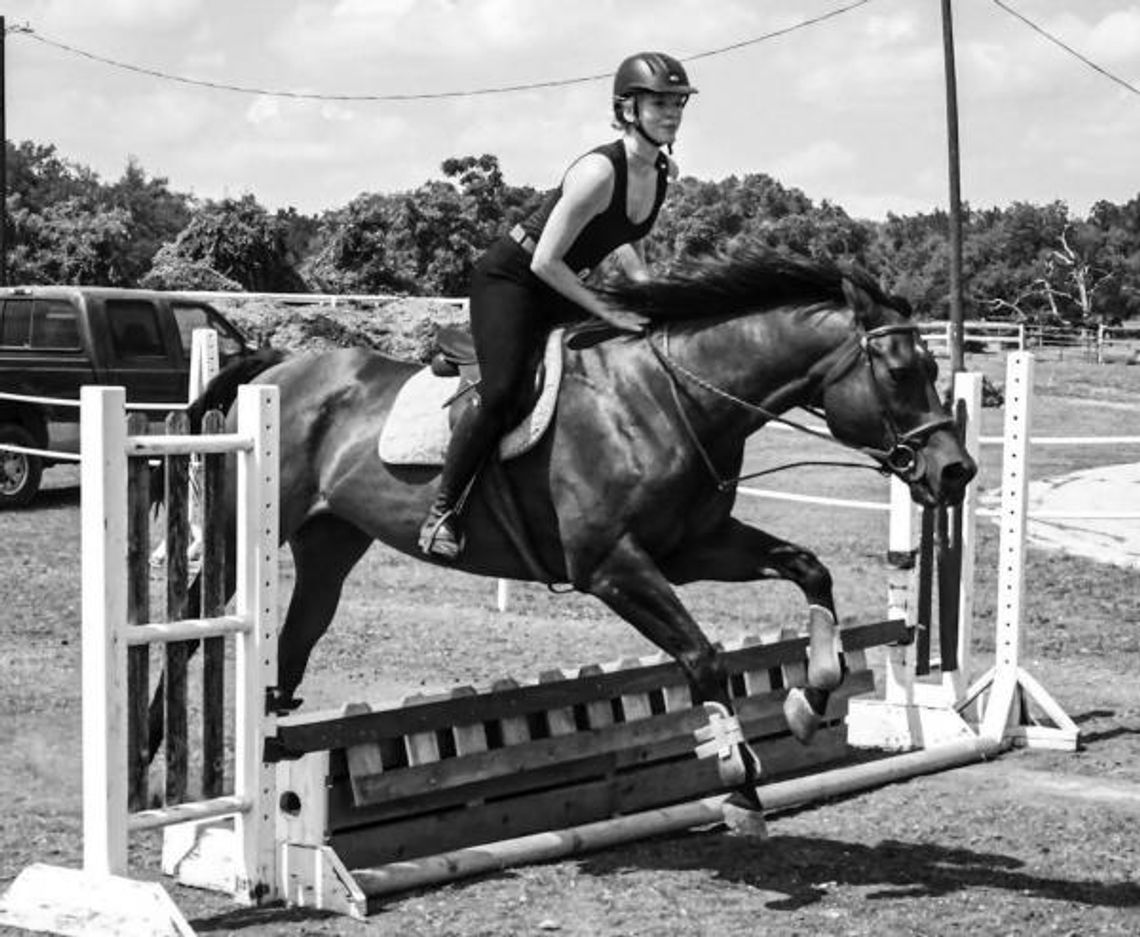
{"x": 851, "y": 109}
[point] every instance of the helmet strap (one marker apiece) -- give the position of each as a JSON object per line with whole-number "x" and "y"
{"x": 641, "y": 130}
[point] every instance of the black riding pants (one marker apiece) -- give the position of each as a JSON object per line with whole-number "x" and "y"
{"x": 512, "y": 311}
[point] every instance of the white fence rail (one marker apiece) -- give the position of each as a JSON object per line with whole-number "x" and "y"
{"x": 1103, "y": 344}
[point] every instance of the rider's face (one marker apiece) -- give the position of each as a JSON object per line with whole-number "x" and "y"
{"x": 661, "y": 114}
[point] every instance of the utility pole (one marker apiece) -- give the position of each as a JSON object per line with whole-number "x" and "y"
{"x": 3, "y": 158}
{"x": 957, "y": 362}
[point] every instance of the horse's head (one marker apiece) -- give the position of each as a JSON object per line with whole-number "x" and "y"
{"x": 879, "y": 396}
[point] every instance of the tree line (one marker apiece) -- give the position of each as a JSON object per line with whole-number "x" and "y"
{"x": 1023, "y": 262}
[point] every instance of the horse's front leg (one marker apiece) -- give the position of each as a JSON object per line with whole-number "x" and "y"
{"x": 629, "y": 582}
{"x": 736, "y": 552}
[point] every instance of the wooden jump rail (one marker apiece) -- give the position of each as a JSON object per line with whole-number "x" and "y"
{"x": 376, "y": 800}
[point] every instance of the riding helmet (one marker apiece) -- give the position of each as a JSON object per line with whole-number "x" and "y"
{"x": 651, "y": 71}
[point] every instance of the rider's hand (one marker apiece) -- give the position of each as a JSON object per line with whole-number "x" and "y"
{"x": 625, "y": 320}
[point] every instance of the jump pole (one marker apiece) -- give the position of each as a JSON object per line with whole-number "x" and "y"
{"x": 1010, "y": 687}
{"x": 561, "y": 844}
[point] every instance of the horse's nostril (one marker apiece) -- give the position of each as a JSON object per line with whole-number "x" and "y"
{"x": 957, "y": 475}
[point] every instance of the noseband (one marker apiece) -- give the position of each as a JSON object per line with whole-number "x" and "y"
{"x": 903, "y": 455}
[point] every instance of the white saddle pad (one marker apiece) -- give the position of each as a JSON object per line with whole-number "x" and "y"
{"x": 417, "y": 431}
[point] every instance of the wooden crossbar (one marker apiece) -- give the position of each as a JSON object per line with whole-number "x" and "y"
{"x": 299, "y": 734}
{"x": 468, "y": 767}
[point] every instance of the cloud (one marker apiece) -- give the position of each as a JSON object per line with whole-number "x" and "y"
{"x": 1114, "y": 39}
{"x": 875, "y": 206}
{"x": 150, "y": 15}
{"x": 882, "y": 58}
{"x": 818, "y": 162}
{"x": 890, "y": 30}
{"x": 263, "y": 110}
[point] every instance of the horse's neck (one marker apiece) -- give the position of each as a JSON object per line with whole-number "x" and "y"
{"x": 774, "y": 360}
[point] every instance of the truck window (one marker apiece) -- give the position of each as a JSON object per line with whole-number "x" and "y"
{"x": 134, "y": 329}
{"x": 16, "y": 323}
{"x": 191, "y": 317}
{"x": 54, "y": 325}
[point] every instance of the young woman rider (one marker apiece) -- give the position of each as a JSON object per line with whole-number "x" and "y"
{"x": 531, "y": 279}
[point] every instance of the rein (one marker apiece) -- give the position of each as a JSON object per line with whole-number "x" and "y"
{"x": 903, "y": 458}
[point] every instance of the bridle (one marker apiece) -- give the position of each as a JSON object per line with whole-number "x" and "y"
{"x": 903, "y": 454}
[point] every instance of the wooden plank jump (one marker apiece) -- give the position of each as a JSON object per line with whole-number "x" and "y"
{"x": 366, "y": 787}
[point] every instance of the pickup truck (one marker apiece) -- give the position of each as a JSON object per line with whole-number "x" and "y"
{"x": 55, "y": 339}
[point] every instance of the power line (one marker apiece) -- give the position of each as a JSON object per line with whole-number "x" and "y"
{"x": 1073, "y": 52}
{"x": 422, "y": 96}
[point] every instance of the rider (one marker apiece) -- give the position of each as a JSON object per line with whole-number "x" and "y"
{"x": 531, "y": 279}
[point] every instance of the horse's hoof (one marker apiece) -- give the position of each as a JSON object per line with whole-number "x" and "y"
{"x": 743, "y": 816}
{"x": 824, "y": 668}
{"x": 802, "y": 719}
{"x": 750, "y": 761}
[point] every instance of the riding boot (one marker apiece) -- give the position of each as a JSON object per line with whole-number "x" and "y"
{"x": 472, "y": 440}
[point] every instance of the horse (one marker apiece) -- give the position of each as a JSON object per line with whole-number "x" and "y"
{"x": 630, "y": 492}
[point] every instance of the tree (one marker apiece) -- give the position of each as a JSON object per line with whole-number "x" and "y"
{"x": 68, "y": 242}
{"x": 910, "y": 254}
{"x": 238, "y": 239}
{"x": 422, "y": 242}
{"x": 156, "y": 215}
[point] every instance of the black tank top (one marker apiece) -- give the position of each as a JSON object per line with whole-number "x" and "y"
{"x": 612, "y": 228}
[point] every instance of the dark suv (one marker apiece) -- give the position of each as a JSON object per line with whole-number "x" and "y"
{"x": 55, "y": 339}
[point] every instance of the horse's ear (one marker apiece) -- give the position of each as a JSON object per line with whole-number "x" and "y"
{"x": 859, "y": 300}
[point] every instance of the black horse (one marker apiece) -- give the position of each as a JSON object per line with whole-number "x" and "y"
{"x": 622, "y": 498}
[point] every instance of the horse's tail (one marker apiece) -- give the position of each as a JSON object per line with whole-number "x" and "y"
{"x": 219, "y": 394}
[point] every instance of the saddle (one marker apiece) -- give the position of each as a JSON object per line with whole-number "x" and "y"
{"x": 427, "y": 405}
{"x": 453, "y": 355}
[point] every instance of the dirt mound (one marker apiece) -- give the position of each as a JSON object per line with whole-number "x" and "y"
{"x": 401, "y": 328}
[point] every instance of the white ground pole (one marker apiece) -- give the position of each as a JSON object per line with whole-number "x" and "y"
{"x": 916, "y": 713}
{"x": 101, "y": 898}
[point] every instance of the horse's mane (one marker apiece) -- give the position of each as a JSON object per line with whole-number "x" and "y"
{"x": 748, "y": 279}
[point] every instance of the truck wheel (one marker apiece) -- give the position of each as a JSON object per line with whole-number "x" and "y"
{"x": 19, "y": 472}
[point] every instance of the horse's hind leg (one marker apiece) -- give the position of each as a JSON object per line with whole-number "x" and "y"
{"x": 325, "y": 549}
{"x": 736, "y": 552}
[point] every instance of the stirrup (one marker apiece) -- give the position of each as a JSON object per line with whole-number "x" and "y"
{"x": 438, "y": 536}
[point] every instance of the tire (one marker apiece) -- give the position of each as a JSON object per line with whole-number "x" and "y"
{"x": 20, "y": 473}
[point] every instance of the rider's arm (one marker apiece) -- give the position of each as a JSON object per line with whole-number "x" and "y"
{"x": 586, "y": 191}
{"x": 631, "y": 258}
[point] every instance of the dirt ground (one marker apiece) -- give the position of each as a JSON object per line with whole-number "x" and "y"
{"x": 1031, "y": 843}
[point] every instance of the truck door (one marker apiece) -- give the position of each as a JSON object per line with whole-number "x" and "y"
{"x": 140, "y": 359}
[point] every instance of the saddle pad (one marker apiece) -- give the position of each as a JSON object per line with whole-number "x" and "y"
{"x": 417, "y": 430}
